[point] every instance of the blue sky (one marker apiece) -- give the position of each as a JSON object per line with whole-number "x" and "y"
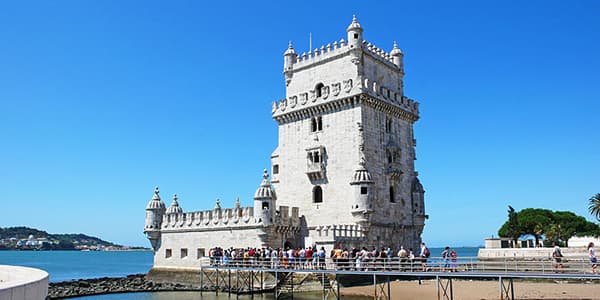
{"x": 102, "y": 100}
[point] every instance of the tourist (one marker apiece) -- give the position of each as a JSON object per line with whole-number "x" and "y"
{"x": 453, "y": 259}
{"x": 425, "y": 253}
{"x": 411, "y": 258}
{"x": 322, "y": 255}
{"x": 315, "y": 257}
{"x": 592, "y": 254}
{"x": 557, "y": 256}
{"x": 446, "y": 259}
{"x": 309, "y": 257}
{"x": 402, "y": 258}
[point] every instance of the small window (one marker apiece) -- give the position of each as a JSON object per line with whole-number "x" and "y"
{"x": 184, "y": 252}
{"x": 388, "y": 125}
{"x": 363, "y": 190}
{"x": 392, "y": 195}
{"x": 316, "y": 157}
{"x": 317, "y": 194}
{"x": 316, "y": 124}
{"x": 168, "y": 253}
{"x": 355, "y": 35}
{"x": 403, "y": 202}
{"x": 275, "y": 169}
{"x": 318, "y": 89}
{"x": 265, "y": 205}
{"x": 200, "y": 253}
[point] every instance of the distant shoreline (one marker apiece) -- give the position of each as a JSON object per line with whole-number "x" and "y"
{"x": 80, "y": 250}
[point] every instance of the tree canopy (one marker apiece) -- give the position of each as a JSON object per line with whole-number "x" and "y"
{"x": 553, "y": 226}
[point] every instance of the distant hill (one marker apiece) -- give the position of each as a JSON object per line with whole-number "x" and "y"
{"x": 31, "y": 238}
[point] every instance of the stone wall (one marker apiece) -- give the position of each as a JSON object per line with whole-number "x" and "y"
{"x": 188, "y": 247}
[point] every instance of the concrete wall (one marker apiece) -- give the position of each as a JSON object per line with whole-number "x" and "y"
{"x": 21, "y": 283}
{"x": 532, "y": 253}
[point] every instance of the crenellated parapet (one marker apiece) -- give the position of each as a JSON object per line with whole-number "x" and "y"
{"x": 291, "y": 109}
{"x": 231, "y": 217}
{"x": 227, "y": 218}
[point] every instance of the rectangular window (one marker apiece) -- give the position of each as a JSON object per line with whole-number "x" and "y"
{"x": 199, "y": 253}
{"x": 184, "y": 252}
{"x": 168, "y": 253}
{"x": 363, "y": 190}
{"x": 275, "y": 169}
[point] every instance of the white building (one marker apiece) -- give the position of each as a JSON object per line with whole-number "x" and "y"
{"x": 343, "y": 170}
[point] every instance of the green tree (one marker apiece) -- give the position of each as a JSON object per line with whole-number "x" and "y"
{"x": 556, "y": 226}
{"x": 594, "y": 206}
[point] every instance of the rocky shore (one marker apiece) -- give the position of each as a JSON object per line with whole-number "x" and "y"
{"x": 131, "y": 283}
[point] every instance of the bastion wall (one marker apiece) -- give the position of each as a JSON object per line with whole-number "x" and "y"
{"x": 22, "y": 283}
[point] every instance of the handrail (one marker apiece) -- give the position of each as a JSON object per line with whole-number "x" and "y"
{"x": 569, "y": 265}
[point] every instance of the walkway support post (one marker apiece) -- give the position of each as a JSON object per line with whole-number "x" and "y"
{"x": 444, "y": 289}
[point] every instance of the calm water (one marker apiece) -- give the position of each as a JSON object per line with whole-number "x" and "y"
{"x": 71, "y": 265}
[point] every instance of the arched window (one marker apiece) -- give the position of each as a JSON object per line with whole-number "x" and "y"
{"x": 392, "y": 194}
{"x": 317, "y": 194}
{"x": 316, "y": 124}
{"x": 318, "y": 89}
{"x": 388, "y": 125}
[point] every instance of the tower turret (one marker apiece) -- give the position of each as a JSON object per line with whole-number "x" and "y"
{"x": 174, "y": 208}
{"x": 289, "y": 59}
{"x": 355, "y": 32}
{"x": 265, "y": 200}
{"x": 362, "y": 183}
{"x": 397, "y": 55}
{"x": 154, "y": 215}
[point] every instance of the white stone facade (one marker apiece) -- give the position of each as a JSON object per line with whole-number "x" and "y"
{"x": 343, "y": 171}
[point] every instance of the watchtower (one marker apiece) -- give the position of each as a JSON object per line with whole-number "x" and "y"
{"x": 346, "y": 145}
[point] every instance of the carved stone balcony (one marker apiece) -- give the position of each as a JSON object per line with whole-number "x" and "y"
{"x": 315, "y": 171}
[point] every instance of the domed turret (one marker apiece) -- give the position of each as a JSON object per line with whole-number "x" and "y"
{"x": 397, "y": 55}
{"x": 264, "y": 200}
{"x": 289, "y": 59}
{"x": 354, "y": 33}
{"x": 154, "y": 215}
{"x": 174, "y": 208}
{"x": 362, "y": 183}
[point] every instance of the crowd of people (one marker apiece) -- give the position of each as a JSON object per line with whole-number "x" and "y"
{"x": 340, "y": 258}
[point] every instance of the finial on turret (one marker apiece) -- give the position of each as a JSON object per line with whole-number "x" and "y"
{"x": 354, "y": 26}
{"x": 362, "y": 161}
{"x": 156, "y": 195}
{"x": 237, "y": 202}
{"x": 175, "y": 198}
{"x": 218, "y": 204}
{"x": 395, "y": 50}
{"x": 265, "y": 174}
{"x": 290, "y": 49}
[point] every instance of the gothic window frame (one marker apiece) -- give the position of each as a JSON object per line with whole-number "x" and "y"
{"x": 317, "y": 194}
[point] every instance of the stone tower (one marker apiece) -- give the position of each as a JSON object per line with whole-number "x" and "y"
{"x": 346, "y": 146}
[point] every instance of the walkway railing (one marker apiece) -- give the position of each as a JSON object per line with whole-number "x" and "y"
{"x": 575, "y": 265}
